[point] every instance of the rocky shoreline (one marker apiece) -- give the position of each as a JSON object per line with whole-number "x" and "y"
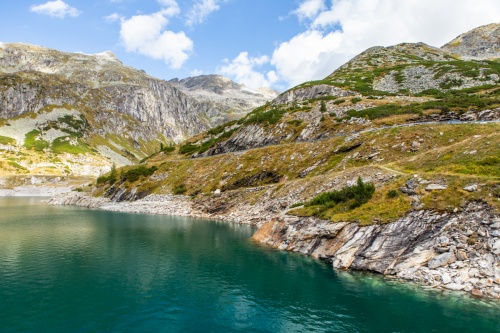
{"x": 34, "y": 191}
{"x": 458, "y": 251}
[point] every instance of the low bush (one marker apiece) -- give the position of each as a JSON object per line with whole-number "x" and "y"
{"x": 133, "y": 175}
{"x": 180, "y": 189}
{"x": 347, "y": 198}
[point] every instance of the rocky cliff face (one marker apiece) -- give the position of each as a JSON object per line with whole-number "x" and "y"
{"x": 118, "y": 114}
{"x": 35, "y": 77}
{"x": 478, "y": 44}
{"x": 457, "y": 251}
{"x": 228, "y": 100}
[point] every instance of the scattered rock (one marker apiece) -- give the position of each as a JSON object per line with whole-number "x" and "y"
{"x": 455, "y": 286}
{"x": 461, "y": 255}
{"x": 477, "y": 292}
{"x": 471, "y": 188}
{"x": 436, "y": 187}
{"x": 442, "y": 260}
{"x": 445, "y": 277}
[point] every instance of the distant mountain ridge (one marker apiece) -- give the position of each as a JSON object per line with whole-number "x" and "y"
{"x": 94, "y": 104}
{"x": 233, "y": 99}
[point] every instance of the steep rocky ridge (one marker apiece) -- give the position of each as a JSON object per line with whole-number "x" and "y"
{"x": 478, "y": 44}
{"x": 36, "y": 76}
{"x": 91, "y": 105}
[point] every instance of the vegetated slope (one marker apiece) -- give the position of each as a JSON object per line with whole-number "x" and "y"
{"x": 317, "y": 137}
{"x": 398, "y": 84}
{"x": 77, "y": 114}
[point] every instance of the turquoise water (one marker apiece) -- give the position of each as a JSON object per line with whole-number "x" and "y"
{"x": 64, "y": 269}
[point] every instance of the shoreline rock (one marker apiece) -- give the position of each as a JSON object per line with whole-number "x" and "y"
{"x": 447, "y": 251}
{"x": 34, "y": 191}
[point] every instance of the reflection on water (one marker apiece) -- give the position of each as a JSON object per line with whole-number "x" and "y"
{"x": 66, "y": 269}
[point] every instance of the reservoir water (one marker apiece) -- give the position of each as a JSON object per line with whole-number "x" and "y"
{"x": 64, "y": 269}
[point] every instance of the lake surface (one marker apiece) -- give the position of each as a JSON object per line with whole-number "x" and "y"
{"x": 64, "y": 269}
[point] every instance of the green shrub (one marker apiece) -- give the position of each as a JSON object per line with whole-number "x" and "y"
{"x": 188, "y": 149}
{"x": 322, "y": 107}
{"x": 133, "y": 175}
{"x": 61, "y": 145}
{"x": 180, "y": 189}
{"x": 111, "y": 177}
{"x": 31, "y": 142}
{"x": 351, "y": 197}
{"x": 4, "y": 140}
{"x": 392, "y": 194}
{"x": 267, "y": 117}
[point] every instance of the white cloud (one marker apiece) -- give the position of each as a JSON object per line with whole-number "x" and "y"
{"x": 310, "y": 8}
{"x": 309, "y": 55}
{"x": 147, "y": 35}
{"x": 57, "y": 8}
{"x": 242, "y": 69}
{"x": 348, "y": 27}
{"x": 113, "y": 18}
{"x": 201, "y": 10}
{"x": 196, "y": 72}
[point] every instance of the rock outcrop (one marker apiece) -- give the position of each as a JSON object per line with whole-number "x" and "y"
{"x": 478, "y": 44}
{"x": 455, "y": 251}
{"x": 307, "y": 92}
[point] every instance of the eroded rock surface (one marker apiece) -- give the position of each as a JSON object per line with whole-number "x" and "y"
{"x": 455, "y": 251}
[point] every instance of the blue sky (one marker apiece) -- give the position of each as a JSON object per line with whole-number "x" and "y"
{"x": 273, "y": 43}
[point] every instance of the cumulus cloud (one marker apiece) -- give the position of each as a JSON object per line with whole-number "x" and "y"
{"x": 201, "y": 10}
{"x": 338, "y": 30}
{"x": 309, "y": 9}
{"x": 307, "y": 56}
{"x": 57, "y": 8}
{"x": 147, "y": 35}
{"x": 244, "y": 69}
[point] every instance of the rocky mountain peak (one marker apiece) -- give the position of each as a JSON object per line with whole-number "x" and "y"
{"x": 404, "y": 53}
{"x": 107, "y": 55}
{"x": 213, "y": 83}
{"x": 234, "y": 98}
{"x": 478, "y": 44}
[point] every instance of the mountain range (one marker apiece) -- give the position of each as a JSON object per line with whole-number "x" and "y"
{"x": 390, "y": 164}
{"x": 56, "y": 105}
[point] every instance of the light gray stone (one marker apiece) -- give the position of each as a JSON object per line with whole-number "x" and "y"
{"x": 455, "y": 286}
{"x": 496, "y": 247}
{"x": 436, "y": 187}
{"x": 471, "y": 188}
{"x": 445, "y": 277}
{"x": 442, "y": 260}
